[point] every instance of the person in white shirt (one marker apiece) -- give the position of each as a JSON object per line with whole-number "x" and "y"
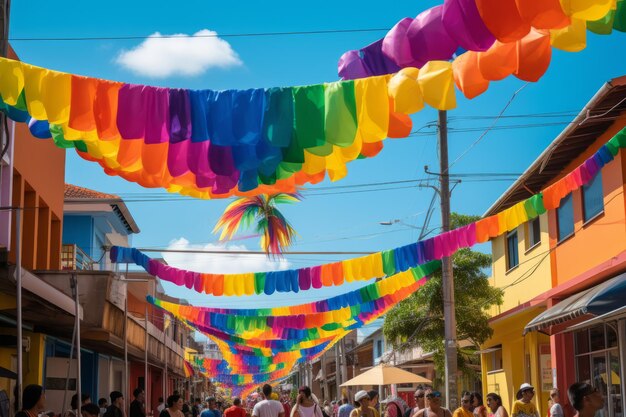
{"x": 555, "y": 409}
{"x": 268, "y": 407}
{"x": 161, "y": 405}
{"x": 305, "y": 405}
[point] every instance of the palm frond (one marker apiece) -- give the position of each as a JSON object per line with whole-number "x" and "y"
{"x": 276, "y": 232}
{"x": 240, "y": 213}
{"x": 285, "y": 198}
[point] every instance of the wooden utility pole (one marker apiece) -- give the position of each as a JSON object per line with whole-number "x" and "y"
{"x": 446, "y": 269}
{"x": 5, "y": 12}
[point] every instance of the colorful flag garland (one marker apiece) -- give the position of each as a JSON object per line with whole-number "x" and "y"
{"x": 488, "y": 40}
{"x": 279, "y": 339}
{"x": 204, "y": 143}
{"x": 261, "y": 345}
{"x": 383, "y": 263}
{"x": 216, "y": 144}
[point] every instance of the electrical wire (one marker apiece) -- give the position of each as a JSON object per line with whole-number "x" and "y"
{"x": 240, "y": 252}
{"x": 178, "y": 36}
{"x": 495, "y": 121}
{"x": 357, "y": 186}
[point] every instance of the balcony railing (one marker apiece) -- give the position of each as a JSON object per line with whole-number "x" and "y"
{"x": 75, "y": 259}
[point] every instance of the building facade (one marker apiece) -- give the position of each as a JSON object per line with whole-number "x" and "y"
{"x": 375, "y": 349}
{"x": 93, "y": 222}
{"x": 31, "y": 196}
{"x": 563, "y": 275}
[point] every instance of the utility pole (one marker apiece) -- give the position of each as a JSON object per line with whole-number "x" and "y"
{"x": 4, "y": 26}
{"x": 323, "y": 360}
{"x": 18, "y": 284}
{"x": 344, "y": 365}
{"x": 5, "y": 5}
{"x": 74, "y": 285}
{"x": 446, "y": 269}
{"x": 338, "y": 378}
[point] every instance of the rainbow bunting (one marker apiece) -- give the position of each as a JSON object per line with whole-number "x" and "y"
{"x": 486, "y": 40}
{"x": 383, "y": 263}
{"x": 217, "y": 144}
{"x": 279, "y": 339}
{"x": 262, "y": 345}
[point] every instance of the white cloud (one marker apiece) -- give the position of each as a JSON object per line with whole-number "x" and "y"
{"x": 220, "y": 263}
{"x": 233, "y": 264}
{"x": 182, "y": 55}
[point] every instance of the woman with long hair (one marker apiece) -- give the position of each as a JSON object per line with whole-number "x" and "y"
{"x": 479, "y": 408}
{"x": 174, "y": 407}
{"x": 494, "y": 403}
{"x": 306, "y": 406}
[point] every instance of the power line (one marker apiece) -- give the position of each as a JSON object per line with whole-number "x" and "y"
{"x": 242, "y": 252}
{"x": 208, "y": 35}
{"x": 517, "y": 116}
{"x": 350, "y": 186}
{"x": 420, "y": 133}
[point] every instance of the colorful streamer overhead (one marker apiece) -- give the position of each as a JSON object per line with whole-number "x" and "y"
{"x": 204, "y": 143}
{"x": 188, "y": 368}
{"x": 217, "y": 144}
{"x": 383, "y": 263}
{"x": 261, "y": 345}
{"x": 486, "y": 40}
{"x": 364, "y": 268}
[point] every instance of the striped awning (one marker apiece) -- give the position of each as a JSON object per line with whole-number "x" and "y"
{"x": 595, "y": 301}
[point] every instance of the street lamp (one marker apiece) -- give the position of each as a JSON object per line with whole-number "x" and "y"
{"x": 398, "y": 221}
{"x": 424, "y": 233}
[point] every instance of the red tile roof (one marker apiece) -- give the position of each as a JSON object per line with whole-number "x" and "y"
{"x": 76, "y": 192}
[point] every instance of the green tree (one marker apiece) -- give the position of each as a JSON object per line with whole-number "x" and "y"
{"x": 418, "y": 320}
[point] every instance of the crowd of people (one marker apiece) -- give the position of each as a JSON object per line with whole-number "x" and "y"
{"x": 584, "y": 398}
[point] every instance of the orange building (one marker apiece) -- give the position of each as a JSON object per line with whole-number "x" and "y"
{"x": 37, "y": 183}
{"x": 563, "y": 318}
{"x": 31, "y": 184}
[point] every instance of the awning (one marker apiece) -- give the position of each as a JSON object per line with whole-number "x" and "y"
{"x": 5, "y": 373}
{"x": 596, "y": 301}
{"x": 320, "y": 375}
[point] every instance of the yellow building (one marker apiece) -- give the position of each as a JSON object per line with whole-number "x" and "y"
{"x": 546, "y": 260}
{"x": 521, "y": 266}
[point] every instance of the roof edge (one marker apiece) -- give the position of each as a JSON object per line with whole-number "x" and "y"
{"x": 132, "y": 224}
{"x": 537, "y": 164}
{"x": 118, "y": 203}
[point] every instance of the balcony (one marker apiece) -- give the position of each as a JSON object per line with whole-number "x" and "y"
{"x": 73, "y": 258}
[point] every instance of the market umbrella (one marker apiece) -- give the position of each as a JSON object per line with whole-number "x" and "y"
{"x": 385, "y": 375}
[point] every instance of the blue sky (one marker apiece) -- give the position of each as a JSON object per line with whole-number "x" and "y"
{"x": 328, "y": 219}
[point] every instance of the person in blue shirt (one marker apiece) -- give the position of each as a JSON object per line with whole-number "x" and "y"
{"x": 212, "y": 411}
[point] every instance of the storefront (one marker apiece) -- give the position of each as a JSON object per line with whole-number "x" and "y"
{"x": 588, "y": 335}
{"x": 598, "y": 363}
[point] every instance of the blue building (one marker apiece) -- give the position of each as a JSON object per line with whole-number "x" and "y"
{"x": 93, "y": 222}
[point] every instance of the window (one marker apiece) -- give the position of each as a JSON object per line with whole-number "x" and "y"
{"x": 379, "y": 348}
{"x": 593, "y": 201}
{"x": 565, "y": 217}
{"x": 596, "y": 355}
{"x": 512, "y": 257}
{"x": 533, "y": 233}
{"x": 493, "y": 358}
